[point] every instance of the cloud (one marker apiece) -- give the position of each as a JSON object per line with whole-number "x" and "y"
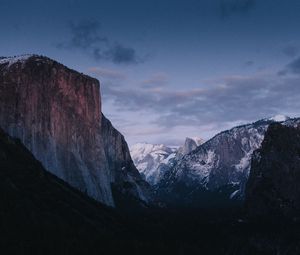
{"x": 155, "y": 81}
{"x": 231, "y": 99}
{"x": 231, "y": 7}
{"x": 117, "y": 54}
{"x": 107, "y": 73}
{"x": 120, "y": 54}
{"x": 290, "y": 51}
{"x": 292, "y": 68}
{"x": 85, "y": 35}
{"x": 249, "y": 63}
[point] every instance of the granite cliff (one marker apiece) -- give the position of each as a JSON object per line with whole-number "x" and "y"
{"x": 273, "y": 186}
{"x": 56, "y": 113}
{"x": 219, "y": 167}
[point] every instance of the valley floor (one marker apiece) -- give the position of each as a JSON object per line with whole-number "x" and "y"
{"x": 159, "y": 232}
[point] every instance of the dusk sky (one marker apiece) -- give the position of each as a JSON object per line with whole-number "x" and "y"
{"x": 169, "y": 69}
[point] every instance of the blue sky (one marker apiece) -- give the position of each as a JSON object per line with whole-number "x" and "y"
{"x": 170, "y": 69}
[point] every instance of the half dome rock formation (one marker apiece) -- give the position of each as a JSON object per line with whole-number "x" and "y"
{"x": 56, "y": 113}
{"x": 190, "y": 144}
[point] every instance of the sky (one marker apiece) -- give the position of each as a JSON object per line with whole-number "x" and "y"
{"x": 169, "y": 69}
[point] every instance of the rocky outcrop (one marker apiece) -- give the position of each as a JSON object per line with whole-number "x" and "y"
{"x": 190, "y": 144}
{"x": 56, "y": 113}
{"x": 125, "y": 178}
{"x": 40, "y": 212}
{"x": 273, "y": 186}
{"x": 222, "y": 165}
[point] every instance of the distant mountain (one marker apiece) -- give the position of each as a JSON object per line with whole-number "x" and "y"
{"x": 56, "y": 113}
{"x": 150, "y": 158}
{"x": 219, "y": 166}
{"x": 273, "y": 186}
{"x": 190, "y": 144}
{"x": 153, "y": 160}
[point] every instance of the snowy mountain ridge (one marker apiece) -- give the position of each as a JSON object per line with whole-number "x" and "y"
{"x": 223, "y": 162}
{"x": 152, "y": 160}
{"x": 15, "y": 59}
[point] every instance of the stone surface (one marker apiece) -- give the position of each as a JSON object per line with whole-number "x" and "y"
{"x": 190, "y": 144}
{"x": 222, "y": 162}
{"x": 41, "y": 213}
{"x": 56, "y": 113}
{"x": 273, "y": 186}
{"x": 220, "y": 165}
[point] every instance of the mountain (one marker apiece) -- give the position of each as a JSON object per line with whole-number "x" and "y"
{"x": 190, "y": 144}
{"x": 56, "y": 113}
{"x": 218, "y": 168}
{"x": 41, "y": 213}
{"x": 150, "y": 158}
{"x": 273, "y": 186}
{"x": 153, "y": 160}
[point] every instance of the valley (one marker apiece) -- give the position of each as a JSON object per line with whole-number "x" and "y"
{"x": 70, "y": 184}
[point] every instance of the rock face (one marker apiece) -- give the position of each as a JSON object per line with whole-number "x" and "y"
{"x": 36, "y": 204}
{"x": 56, "y": 113}
{"x": 273, "y": 186}
{"x": 126, "y": 179}
{"x": 221, "y": 165}
{"x": 190, "y": 144}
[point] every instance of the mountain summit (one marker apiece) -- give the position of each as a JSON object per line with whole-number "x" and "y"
{"x": 56, "y": 113}
{"x": 153, "y": 160}
{"x": 220, "y": 165}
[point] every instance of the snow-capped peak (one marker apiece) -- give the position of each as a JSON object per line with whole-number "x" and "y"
{"x": 152, "y": 160}
{"x": 140, "y": 150}
{"x": 148, "y": 159}
{"x": 279, "y": 118}
{"x": 14, "y": 59}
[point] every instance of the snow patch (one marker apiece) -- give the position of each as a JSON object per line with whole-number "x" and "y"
{"x": 200, "y": 168}
{"x": 233, "y": 194}
{"x": 16, "y": 59}
{"x": 244, "y": 162}
{"x": 279, "y": 118}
